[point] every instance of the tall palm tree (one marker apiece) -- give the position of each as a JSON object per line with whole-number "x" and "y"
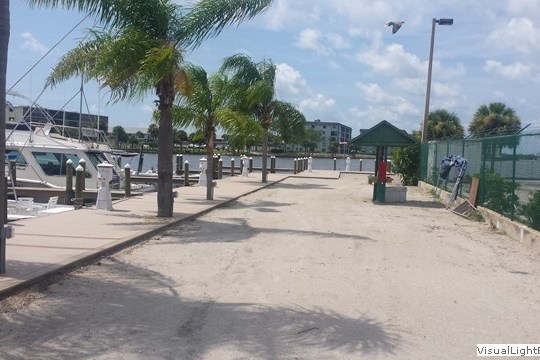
{"x": 203, "y": 104}
{"x": 4, "y": 42}
{"x": 255, "y": 94}
{"x": 443, "y": 125}
{"x": 141, "y": 48}
{"x": 494, "y": 119}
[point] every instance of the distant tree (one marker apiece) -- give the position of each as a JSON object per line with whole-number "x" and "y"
{"x": 494, "y": 119}
{"x": 311, "y": 139}
{"x": 181, "y": 135}
{"x": 139, "y": 134}
{"x": 196, "y": 138}
{"x": 444, "y": 125}
{"x": 120, "y": 134}
{"x": 133, "y": 140}
{"x": 153, "y": 131}
{"x": 333, "y": 147}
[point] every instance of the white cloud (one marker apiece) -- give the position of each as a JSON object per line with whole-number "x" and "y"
{"x": 292, "y": 87}
{"x": 525, "y": 7}
{"x": 322, "y": 44}
{"x": 373, "y": 92}
{"x": 33, "y": 44}
{"x": 381, "y": 102}
{"x": 393, "y": 60}
{"x": 285, "y": 13}
{"x": 312, "y": 40}
{"x": 317, "y": 102}
{"x": 289, "y": 81}
{"x": 500, "y": 94}
{"x": 513, "y": 71}
{"x": 519, "y": 34}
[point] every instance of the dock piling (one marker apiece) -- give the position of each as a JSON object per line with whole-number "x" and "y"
{"x": 68, "y": 198}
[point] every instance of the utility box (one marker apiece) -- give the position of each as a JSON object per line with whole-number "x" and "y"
{"x": 396, "y": 194}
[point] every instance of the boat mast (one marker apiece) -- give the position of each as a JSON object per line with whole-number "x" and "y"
{"x": 81, "y": 106}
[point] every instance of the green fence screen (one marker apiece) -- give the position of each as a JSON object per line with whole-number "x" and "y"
{"x": 508, "y": 168}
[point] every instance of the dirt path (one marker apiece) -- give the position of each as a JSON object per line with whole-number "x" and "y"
{"x": 306, "y": 269}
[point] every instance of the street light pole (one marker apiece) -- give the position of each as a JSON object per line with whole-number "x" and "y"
{"x": 430, "y": 66}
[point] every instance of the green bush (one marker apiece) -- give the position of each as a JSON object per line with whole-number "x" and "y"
{"x": 531, "y": 211}
{"x": 498, "y": 194}
{"x": 406, "y": 163}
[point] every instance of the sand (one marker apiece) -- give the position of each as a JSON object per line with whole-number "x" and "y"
{"x": 305, "y": 269}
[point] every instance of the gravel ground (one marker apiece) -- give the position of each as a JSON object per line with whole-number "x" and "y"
{"x": 305, "y": 269}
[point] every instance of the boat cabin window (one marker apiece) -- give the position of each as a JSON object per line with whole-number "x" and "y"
{"x": 55, "y": 163}
{"x": 14, "y": 154}
{"x": 96, "y": 158}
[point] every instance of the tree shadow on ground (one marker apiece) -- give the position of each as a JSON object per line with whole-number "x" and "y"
{"x": 238, "y": 230}
{"x": 126, "y": 311}
{"x": 300, "y": 186}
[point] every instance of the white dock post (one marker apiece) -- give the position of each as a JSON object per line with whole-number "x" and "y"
{"x": 105, "y": 175}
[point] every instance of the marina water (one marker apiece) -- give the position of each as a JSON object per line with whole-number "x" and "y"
{"x": 150, "y": 162}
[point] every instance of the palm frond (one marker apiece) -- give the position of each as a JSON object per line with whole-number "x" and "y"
{"x": 152, "y": 16}
{"x": 80, "y": 60}
{"x": 159, "y": 60}
{"x": 184, "y": 116}
{"x": 245, "y": 71}
{"x": 207, "y": 18}
{"x": 260, "y": 94}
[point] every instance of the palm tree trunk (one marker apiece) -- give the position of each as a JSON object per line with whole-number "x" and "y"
{"x": 210, "y": 166}
{"x": 264, "y": 154}
{"x": 4, "y": 41}
{"x": 165, "y": 201}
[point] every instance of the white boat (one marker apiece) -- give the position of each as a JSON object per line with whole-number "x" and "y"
{"x": 41, "y": 153}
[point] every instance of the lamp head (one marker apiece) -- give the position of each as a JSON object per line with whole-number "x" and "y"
{"x": 445, "y": 21}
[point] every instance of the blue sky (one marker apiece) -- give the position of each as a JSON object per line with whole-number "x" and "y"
{"x": 336, "y": 59}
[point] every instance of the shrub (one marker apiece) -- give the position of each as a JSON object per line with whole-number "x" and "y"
{"x": 499, "y": 194}
{"x": 406, "y": 163}
{"x": 531, "y": 211}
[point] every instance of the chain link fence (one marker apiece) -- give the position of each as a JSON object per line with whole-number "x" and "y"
{"x": 508, "y": 168}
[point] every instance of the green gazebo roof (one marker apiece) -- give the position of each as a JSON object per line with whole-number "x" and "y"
{"x": 383, "y": 134}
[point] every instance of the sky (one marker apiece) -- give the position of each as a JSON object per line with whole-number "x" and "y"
{"x": 336, "y": 60}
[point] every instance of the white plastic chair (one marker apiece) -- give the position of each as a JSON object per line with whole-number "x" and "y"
{"x": 53, "y": 200}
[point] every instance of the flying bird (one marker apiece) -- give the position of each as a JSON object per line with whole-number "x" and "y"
{"x": 395, "y": 25}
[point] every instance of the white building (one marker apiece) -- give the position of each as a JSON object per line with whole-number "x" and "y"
{"x": 331, "y": 131}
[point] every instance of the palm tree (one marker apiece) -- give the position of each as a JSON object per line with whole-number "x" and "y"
{"x": 141, "y": 48}
{"x": 494, "y": 119}
{"x": 243, "y": 133}
{"x": 203, "y": 104}
{"x": 255, "y": 94}
{"x": 4, "y": 42}
{"x": 286, "y": 130}
{"x": 444, "y": 125}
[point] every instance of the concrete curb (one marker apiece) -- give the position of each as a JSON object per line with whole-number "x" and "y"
{"x": 513, "y": 229}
